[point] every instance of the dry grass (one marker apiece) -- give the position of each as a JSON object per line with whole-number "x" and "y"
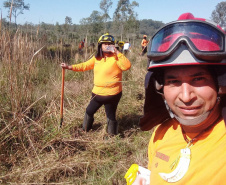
{"x": 33, "y": 149}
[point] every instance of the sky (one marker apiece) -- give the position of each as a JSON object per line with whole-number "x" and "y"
{"x": 52, "y": 11}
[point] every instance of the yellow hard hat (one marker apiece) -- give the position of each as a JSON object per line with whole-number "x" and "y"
{"x": 121, "y": 43}
{"x": 106, "y": 38}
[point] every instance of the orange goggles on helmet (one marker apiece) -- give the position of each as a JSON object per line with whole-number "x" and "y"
{"x": 205, "y": 40}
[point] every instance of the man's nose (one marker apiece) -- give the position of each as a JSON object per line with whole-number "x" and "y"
{"x": 187, "y": 92}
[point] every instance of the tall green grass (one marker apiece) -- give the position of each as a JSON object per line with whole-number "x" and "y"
{"x": 34, "y": 149}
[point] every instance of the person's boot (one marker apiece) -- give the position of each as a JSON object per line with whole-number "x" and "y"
{"x": 87, "y": 122}
{"x": 112, "y": 127}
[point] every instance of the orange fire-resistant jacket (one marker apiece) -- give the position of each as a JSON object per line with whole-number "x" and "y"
{"x": 144, "y": 42}
{"x": 107, "y": 73}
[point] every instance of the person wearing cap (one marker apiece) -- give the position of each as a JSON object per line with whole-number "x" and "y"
{"x": 108, "y": 65}
{"x": 185, "y": 100}
{"x": 121, "y": 45}
{"x": 144, "y": 44}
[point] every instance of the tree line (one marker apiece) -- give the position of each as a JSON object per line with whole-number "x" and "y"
{"x": 71, "y": 32}
{"x": 124, "y": 23}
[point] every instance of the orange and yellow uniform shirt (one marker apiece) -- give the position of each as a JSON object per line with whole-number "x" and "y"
{"x": 208, "y": 155}
{"x": 107, "y": 73}
{"x": 144, "y": 42}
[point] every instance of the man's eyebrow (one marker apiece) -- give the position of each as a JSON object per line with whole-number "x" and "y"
{"x": 171, "y": 76}
{"x": 199, "y": 74}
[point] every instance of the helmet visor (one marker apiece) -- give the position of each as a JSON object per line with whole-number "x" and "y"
{"x": 201, "y": 37}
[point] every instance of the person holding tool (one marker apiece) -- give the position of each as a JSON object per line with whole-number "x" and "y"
{"x": 108, "y": 65}
{"x": 186, "y": 101}
{"x": 144, "y": 44}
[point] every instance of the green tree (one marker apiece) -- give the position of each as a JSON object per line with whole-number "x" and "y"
{"x": 58, "y": 30}
{"x": 149, "y": 26}
{"x": 96, "y": 22}
{"x": 219, "y": 14}
{"x": 105, "y": 5}
{"x": 67, "y": 23}
{"x": 68, "y": 20}
{"x": 92, "y": 24}
{"x": 18, "y": 7}
{"x": 123, "y": 14}
{"x": 83, "y": 28}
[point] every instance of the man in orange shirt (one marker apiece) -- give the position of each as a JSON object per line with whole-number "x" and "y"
{"x": 186, "y": 101}
{"x": 108, "y": 65}
{"x": 144, "y": 44}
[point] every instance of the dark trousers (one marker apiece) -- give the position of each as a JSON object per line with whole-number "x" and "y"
{"x": 110, "y": 104}
{"x": 144, "y": 50}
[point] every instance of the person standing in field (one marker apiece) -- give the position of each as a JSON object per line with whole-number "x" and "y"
{"x": 121, "y": 45}
{"x": 144, "y": 44}
{"x": 81, "y": 46}
{"x": 185, "y": 99}
{"x": 126, "y": 48}
{"x": 108, "y": 65}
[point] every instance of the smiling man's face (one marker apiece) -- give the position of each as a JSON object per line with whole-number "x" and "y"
{"x": 190, "y": 91}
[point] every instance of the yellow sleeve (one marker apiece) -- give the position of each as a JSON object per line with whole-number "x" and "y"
{"x": 151, "y": 150}
{"x": 123, "y": 62}
{"x": 85, "y": 66}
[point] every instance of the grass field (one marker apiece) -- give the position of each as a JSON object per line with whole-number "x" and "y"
{"x": 34, "y": 149}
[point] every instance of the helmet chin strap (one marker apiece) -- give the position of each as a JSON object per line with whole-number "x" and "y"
{"x": 194, "y": 121}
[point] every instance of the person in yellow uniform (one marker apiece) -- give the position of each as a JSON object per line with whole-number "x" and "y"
{"x": 108, "y": 65}
{"x": 121, "y": 45}
{"x": 185, "y": 99}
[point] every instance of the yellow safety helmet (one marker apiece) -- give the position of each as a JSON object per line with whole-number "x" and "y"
{"x": 106, "y": 38}
{"x": 121, "y": 43}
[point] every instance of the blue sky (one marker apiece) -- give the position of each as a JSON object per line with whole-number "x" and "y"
{"x": 52, "y": 11}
